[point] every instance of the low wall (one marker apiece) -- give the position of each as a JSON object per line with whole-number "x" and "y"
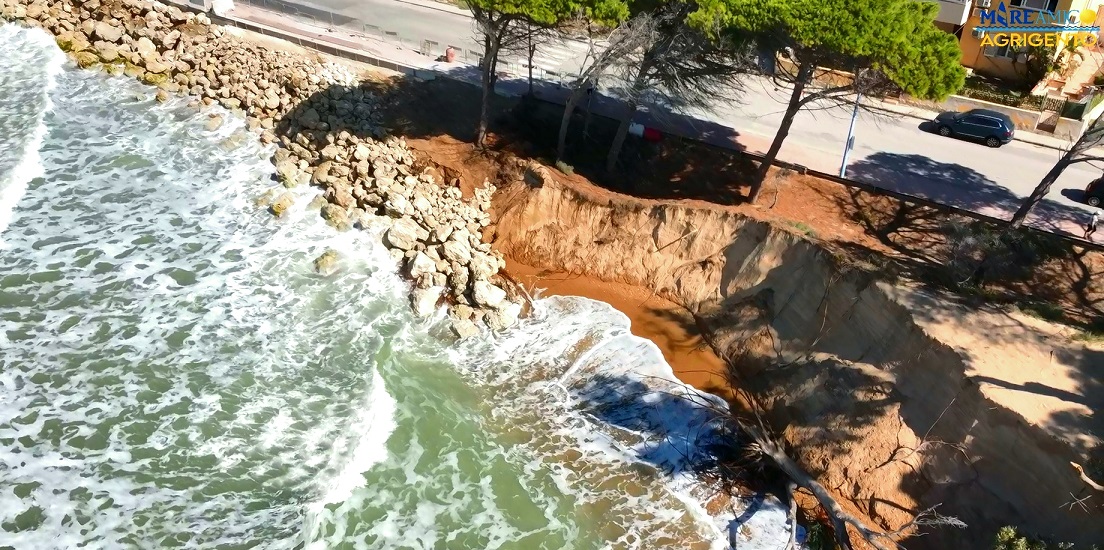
{"x": 1071, "y": 129}
{"x": 1024, "y": 119}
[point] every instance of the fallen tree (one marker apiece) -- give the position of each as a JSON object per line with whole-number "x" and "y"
{"x": 762, "y": 447}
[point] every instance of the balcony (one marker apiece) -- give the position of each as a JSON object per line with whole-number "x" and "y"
{"x": 954, "y": 12}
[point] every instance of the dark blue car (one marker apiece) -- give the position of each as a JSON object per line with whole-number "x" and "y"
{"x": 990, "y": 127}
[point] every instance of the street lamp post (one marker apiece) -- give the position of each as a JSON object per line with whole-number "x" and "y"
{"x": 850, "y": 137}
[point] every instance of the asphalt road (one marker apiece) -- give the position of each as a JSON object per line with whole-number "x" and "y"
{"x": 902, "y": 153}
{"x": 892, "y": 151}
{"x": 412, "y": 24}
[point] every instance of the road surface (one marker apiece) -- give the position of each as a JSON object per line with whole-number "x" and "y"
{"x": 892, "y": 151}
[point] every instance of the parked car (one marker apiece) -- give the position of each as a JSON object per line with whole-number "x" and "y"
{"x": 1094, "y": 192}
{"x": 991, "y": 127}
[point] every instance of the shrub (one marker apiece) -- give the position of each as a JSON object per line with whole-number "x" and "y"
{"x": 804, "y": 229}
{"x": 565, "y": 167}
{"x": 995, "y": 91}
{"x": 1008, "y": 538}
{"x": 1044, "y": 310}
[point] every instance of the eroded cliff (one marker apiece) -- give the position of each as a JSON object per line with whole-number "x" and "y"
{"x": 895, "y": 398}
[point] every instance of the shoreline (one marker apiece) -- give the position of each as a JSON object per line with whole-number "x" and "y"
{"x": 666, "y": 324}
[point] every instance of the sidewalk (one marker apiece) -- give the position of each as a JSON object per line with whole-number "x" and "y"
{"x": 439, "y": 6}
{"x": 1025, "y": 136}
{"x": 377, "y": 52}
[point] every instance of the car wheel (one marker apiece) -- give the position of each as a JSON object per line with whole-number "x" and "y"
{"x": 944, "y": 131}
{"x": 1093, "y": 201}
{"x": 992, "y": 142}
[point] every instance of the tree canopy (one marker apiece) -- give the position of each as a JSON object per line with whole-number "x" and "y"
{"x": 885, "y": 45}
{"x": 896, "y": 37}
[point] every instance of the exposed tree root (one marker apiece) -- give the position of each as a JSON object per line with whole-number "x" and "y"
{"x": 840, "y": 519}
{"x": 1085, "y": 477}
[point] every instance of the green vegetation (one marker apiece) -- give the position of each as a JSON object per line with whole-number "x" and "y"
{"x": 1010, "y": 539}
{"x": 506, "y": 25}
{"x": 1041, "y": 61}
{"x": 819, "y": 537}
{"x": 804, "y": 229}
{"x": 1004, "y": 93}
{"x": 887, "y": 45}
{"x": 565, "y": 167}
{"x": 1044, "y": 310}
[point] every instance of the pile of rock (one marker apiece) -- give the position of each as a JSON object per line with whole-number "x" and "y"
{"x": 436, "y": 235}
{"x": 329, "y": 132}
{"x": 179, "y": 51}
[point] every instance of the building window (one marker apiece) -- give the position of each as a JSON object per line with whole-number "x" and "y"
{"x": 1044, "y": 5}
{"x": 1005, "y": 51}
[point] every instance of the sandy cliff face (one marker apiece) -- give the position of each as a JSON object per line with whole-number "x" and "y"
{"x": 884, "y": 412}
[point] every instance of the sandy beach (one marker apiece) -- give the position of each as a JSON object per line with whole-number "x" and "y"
{"x": 665, "y": 323}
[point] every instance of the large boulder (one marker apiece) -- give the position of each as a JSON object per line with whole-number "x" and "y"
{"x": 107, "y": 51}
{"x": 108, "y": 32}
{"x": 336, "y": 217}
{"x": 145, "y": 48}
{"x": 309, "y": 118}
{"x": 86, "y": 59}
{"x": 398, "y": 206}
{"x": 424, "y": 301}
{"x": 362, "y": 153}
{"x": 287, "y": 172}
{"x": 170, "y": 39}
{"x": 403, "y": 234}
{"x": 501, "y": 319}
{"x": 341, "y": 194}
{"x": 280, "y": 207}
{"x": 155, "y": 65}
{"x": 483, "y": 265}
{"x": 421, "y": 265}
{"x": 326, "y": 264}
{"x": 457, "y": 251}
{"x": 487, "y": 295}
{"x": 464, "y": 328}
{"x": 458, "y": 279}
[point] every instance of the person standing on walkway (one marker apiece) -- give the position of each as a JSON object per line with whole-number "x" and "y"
{"x": 1093, "y": 222}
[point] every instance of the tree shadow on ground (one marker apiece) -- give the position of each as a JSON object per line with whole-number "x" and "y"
{"x": 956, "y": 185}
{"x": 674, "y": 167}
{"x": 942, "y": 251}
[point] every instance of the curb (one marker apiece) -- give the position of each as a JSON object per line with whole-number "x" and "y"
{"x": 926, "y": 119}
{"x": 432, "y": 73}
{"x": 447, "y": 8}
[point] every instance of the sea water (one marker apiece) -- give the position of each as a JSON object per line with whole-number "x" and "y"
{"x": 173, "y": 374}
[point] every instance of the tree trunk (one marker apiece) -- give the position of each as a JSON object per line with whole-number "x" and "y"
{"x": 1040, "y": 191}
{"x": 490, "y": 65}
{"x": 792, "y": 108}
{"x": 565, "y": 122}
{"x": 619, "y": 138}
{"x": 630, "y": 110}
{"x": 532, "y": 52}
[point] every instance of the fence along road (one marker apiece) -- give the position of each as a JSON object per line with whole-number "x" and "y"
{"x": 892, "y": 152}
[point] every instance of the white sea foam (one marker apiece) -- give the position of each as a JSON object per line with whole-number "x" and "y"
{"x": 30, "y": 66}
{"x": 172, "y": 362}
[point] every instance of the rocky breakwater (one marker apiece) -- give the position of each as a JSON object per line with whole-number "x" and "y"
{"x": 435, "y": 234}
{"x": 327, "y": 132}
